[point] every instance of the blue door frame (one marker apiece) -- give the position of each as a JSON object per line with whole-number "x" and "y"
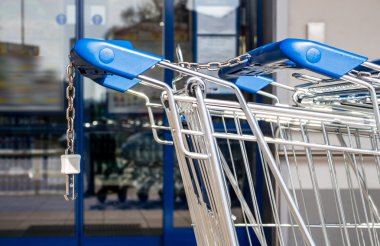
{"x": 79, "y": 202}
{"x": 168, "y": 201}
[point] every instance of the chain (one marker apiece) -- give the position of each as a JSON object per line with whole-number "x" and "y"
{"x": 214, "y": 66}
{"x": 70, "y": 111}
{"x": 357, "y": 73}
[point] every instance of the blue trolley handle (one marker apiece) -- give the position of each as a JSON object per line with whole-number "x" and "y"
{"x": 111, "y": 63}
{"x": 296, "y": 53}
{"x": 252, "y": 84}
{"x": 310, "y": 55}
{"x": 117, "y": 65}
{"x": 306, "y": 54}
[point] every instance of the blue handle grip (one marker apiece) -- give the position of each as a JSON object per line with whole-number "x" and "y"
{"x": 253, "y": 84}
{"x": 112, "y": 63}
{"x": 314, "y": 56}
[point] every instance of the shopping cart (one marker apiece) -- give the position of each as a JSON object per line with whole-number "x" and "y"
{"x": 321, "y": 169}
{"x": 338, "y": 94}
{"x": 353, "y": 85}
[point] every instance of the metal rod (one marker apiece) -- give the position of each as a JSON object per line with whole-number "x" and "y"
{"x": 227, "y": 223}
{"x": 176, "y": 131}
{"x": 262, "y": 144}
{"x": 371, "y": 65}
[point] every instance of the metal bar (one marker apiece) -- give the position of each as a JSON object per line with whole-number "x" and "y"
{"x": 227, "y": 225}
{"x": 174, "y": 123}
{"x": 269, "y": 95}
{"x": 294, "y": 113}
{"x": 298, "y": 143}
{"x": 372, "y": 92}
{"x": 348, "y": 225}
{"x": 371, "y": 65}
{"x": 334, "y": 181}
{"x": 259, "y": 233}
{"x": 315, "y": 184}
{"x": 269, "y": 159}
{"x": 151, "y": 117}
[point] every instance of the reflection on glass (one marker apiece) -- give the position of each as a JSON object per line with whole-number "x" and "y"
{"x": 26, "y": 86}
{"x": 33, "y": 55}
{"x": 124, "y": 165}
{"x": 183, "y": 31}
{"x": 208, "y": 30}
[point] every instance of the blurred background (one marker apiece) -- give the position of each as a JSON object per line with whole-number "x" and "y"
{"x": 130, "y": 189}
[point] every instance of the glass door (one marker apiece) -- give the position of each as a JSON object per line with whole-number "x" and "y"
{"x": 124, "y": 168}
{"x": 124, "y": 165}
{"x": 35, "y": 38}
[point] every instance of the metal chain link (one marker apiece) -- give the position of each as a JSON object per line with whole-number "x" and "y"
{"x": 356, "y": 73}
{"x": 70, "y": 110}
{"x": 214, "y": 66}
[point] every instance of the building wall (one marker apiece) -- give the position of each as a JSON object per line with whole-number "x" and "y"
{"x": 351, "y": 24}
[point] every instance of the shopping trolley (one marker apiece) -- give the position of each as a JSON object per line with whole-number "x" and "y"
{"x": 353, "y": 85}
{"x": 321, "y": 169}
{"x": 338, "y": 94}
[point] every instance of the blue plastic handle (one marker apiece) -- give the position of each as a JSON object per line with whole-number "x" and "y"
{"x": 314, "y": 56}
{"x": 253, "y": 84}
{"x": 111, "y": 63}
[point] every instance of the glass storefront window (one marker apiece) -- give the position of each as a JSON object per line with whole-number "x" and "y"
{"x": 124, "y": 165}
{"x": 35, "y": 37}
{"x": 123, "y": 174}
{"x": 206, "y": 31}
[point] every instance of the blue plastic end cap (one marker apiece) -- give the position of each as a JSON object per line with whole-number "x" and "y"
{"x": 117, "y": 83}
{"x": 319, "y": 57}
{"x": 253, "y": 84}
{"x": 115, "y": 56}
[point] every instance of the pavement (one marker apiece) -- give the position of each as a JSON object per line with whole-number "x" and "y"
{"x": 51, "y": 215}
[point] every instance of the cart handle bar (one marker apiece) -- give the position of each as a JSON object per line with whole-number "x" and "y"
{"x": 299, "y": 53}
{"x": 111, "y": 63}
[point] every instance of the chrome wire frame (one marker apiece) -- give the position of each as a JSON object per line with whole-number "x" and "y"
{"x": 309, "y": 159}
{"x": 352, "y": 93}
{"x": 331, "y": 152}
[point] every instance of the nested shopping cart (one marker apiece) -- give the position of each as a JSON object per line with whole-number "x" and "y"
{"x": 320, "y": 165}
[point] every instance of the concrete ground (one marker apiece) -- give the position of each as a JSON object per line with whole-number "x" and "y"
{"x": 51, "y": 214}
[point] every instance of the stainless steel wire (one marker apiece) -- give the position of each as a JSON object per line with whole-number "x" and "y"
{"x": 321, "y": 170}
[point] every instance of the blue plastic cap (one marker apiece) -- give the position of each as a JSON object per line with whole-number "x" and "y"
{"x": 121, "y": 43}
{"x": 253, "y": 84}
{"x": 114, "y": 56}
{"x": 117, "y": 83}
{"x": 320, "y": 58}
{"x": 308, "y": 54}
{"x": 316, "y": 57}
